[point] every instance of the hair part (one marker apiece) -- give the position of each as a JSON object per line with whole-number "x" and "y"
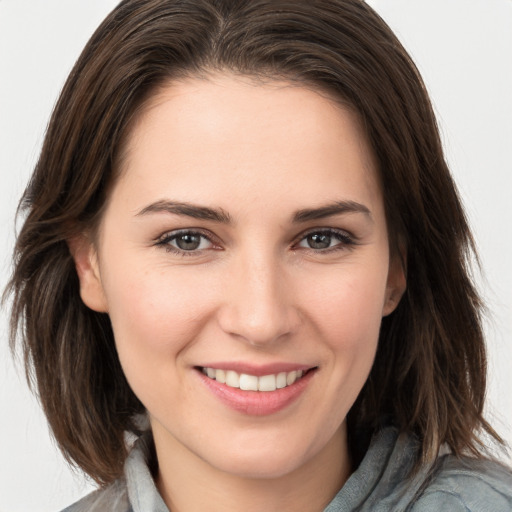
{"x": 429, "y": 375}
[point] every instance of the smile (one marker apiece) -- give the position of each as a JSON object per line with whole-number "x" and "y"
{"x": 256, "y": 395}
{"x": 248, "y": 382}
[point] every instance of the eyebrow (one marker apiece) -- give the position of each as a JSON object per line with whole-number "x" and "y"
{"x": 336, "y": 208}
{"x": 221, "y": 216}
{"x": 188, "y": 210}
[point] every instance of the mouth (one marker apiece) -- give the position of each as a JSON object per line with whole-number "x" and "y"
{"x": 256, "y": 395}
{"x": 248, "y": 382}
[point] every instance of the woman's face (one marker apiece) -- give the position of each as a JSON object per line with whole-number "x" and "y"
{"x": 244, "y": 240}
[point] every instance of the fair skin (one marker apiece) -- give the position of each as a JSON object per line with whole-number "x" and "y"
{"x": 287, "y": 271}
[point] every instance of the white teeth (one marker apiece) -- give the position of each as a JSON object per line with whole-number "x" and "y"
{"x": 291, "y": 378}
{"x": 232, "y": 379}
{"x": 251, "y": 382}
{"x": 248, "y": 382}
{"x": 220, "y": 376}
{"x": 267, "y": 383}
{"x": 281, "y": 380}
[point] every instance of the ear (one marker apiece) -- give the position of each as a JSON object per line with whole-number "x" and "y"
{"x": 397, "y": 281}
{"x": 86, "y": 263}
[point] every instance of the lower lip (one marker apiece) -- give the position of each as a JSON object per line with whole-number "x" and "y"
{"x": 257, "y": 403}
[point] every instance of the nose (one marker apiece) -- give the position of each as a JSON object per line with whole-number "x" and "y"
{"x": 259, "y": 302}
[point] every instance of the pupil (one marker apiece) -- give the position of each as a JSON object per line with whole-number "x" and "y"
{"x": 319, "y": 241}
{"x": 188, "y": 242}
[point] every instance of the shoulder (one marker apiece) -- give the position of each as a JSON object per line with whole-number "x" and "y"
{"x": 467, "y": 485}
{"x": 113, "y": 498}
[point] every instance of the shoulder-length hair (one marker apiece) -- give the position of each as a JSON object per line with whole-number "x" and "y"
{"x": 429, "y": 373}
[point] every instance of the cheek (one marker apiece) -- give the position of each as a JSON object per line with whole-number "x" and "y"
{"x": 349, "y": 309}
{"x": 347, "y": 317}
{"x": 155, "y": 314}
{"x": 345, "y": 312}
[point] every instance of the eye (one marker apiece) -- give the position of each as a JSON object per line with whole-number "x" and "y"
{"x": 185, "y": 242}
{"x": 323, "y": 240}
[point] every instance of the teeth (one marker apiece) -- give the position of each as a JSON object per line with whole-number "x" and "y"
{"x": 232, "y": 379}
{"x": 281, "y": 380}
{"x": 251, "y": 382}
{"x": 291, "y": 378}
{"x": 267, "y": 383}
{"x": 220, "y": 376}
{"x": 248, "y": 382}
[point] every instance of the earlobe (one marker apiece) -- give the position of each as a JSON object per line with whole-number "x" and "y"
{"x": 397, "y": 283}
{"x": 86, "y": 263}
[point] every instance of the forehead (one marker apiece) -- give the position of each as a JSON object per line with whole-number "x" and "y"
{"x": 197, "y": 133}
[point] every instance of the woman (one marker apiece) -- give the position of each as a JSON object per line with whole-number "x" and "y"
{"x": 242, "y": 229}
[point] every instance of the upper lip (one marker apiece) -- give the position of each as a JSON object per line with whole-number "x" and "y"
{"x": 257, "y": 370}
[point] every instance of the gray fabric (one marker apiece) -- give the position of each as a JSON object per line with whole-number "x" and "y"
{"x": 113, "y": 498}
{"x": 380, "y": 483}
{"x": 142, "y": 491}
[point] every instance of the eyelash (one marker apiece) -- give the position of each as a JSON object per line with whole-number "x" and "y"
{"x": 164, "y": 241}
{"x": 346, "y": 241}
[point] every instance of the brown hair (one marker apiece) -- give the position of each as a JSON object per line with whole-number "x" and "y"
{"x": 429, "y": 372}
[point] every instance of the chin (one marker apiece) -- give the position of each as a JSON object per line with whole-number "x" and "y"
{"x": 261, "y": 459}
{"x": 259, "y": 467}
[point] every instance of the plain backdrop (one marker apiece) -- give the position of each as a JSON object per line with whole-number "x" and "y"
{"x": 463, "y": 49}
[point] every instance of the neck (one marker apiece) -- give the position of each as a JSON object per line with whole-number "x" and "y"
{"x": 189, "y": 484}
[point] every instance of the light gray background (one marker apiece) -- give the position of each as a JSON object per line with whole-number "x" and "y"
{"x": 464, "y": 50}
